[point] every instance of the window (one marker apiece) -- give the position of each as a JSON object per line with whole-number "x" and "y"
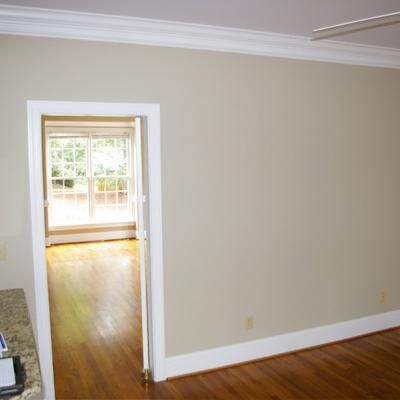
{"x": 110, "y": 166}
{"x": 89, "y": 176}
{"x": 69, "y": 199}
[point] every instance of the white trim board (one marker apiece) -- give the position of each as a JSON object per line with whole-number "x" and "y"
{"x": 275, "y": 345}
{"x": 151, "y": 113}
{"x": 31, "y": 21}
{"x": 90, "y": 236}
{"x": 122, "y": 225}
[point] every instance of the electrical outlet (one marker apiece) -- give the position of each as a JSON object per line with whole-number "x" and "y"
{"x": 3, "y": 251}
{"x": 382, "y": 296}
{"x": 249, "y": 322}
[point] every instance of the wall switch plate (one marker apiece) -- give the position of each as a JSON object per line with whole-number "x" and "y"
{"x": 3, "y": 251}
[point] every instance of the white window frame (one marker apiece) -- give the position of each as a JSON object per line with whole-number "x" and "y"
{"x": 61, "y": 129}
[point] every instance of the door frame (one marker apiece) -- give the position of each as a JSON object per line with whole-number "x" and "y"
{"x": 151, "y": 114}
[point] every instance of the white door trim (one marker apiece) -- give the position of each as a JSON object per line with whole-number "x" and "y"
{"x": 151, "y": 113}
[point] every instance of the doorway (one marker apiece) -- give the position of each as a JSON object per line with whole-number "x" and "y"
{"x": 91, "y": 188}
{"x": 154, "y": 274}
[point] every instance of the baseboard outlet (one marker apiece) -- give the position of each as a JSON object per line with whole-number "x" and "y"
{"x": 249, "y": 351}
{"x": 90, "y": 237}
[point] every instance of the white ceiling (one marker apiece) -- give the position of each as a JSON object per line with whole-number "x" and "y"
{"x": 295, "y": 17}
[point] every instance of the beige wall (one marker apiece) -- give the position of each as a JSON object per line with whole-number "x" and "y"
{"x": 281, "y": 186}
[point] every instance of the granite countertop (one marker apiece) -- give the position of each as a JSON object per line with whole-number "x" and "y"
{"x": 17, "y": 329}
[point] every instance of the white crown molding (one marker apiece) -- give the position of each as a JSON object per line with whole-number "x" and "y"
{"x": 29, "y": 21}
{"x": 258, "y": 349}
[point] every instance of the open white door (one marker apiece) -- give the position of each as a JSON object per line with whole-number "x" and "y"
{"x": 140, "y": 234}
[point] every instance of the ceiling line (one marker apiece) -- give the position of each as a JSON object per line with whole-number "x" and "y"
{"x": 30, "y": 21}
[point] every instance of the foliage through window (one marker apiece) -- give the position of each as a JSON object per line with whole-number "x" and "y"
{"x": 90, "y": 181}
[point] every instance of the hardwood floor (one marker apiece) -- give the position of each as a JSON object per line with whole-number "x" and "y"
{"x": 94, "y": 300}
{"x": 95, "y": 317}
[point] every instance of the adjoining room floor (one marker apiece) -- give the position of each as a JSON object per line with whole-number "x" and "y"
{"x": 95, "y": 317}
{"x": 94, "y": 292}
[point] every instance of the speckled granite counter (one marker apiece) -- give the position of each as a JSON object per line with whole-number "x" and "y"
{"x": 17, "y": 329}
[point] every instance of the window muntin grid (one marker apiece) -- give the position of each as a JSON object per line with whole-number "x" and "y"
{"x": 110, "y": 166}
{"x": 89, "y": 179}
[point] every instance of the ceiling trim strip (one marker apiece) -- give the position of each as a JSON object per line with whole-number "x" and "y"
{"x": 39, "y": 22}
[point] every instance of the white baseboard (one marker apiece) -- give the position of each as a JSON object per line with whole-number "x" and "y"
{"x": 248, "y": 351}
{"x": 90, "y": 237}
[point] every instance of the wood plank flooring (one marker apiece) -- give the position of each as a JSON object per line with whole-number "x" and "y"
{"x": 95, "y": 299}
{"x": 95, "y": 317}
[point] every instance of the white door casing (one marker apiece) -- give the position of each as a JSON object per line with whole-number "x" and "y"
{"x": 151, "y": 116}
